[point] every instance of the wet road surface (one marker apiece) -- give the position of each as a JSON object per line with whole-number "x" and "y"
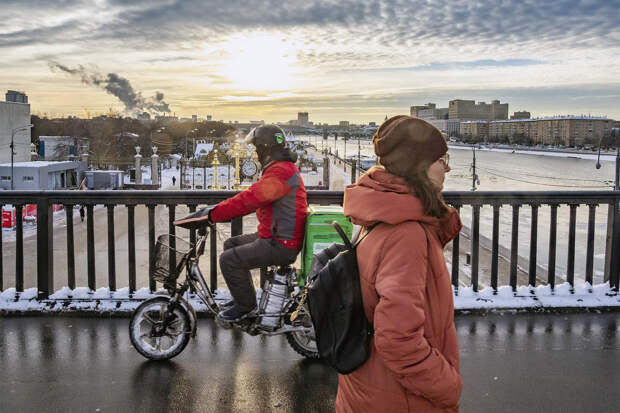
{"x": 510, "y": 363}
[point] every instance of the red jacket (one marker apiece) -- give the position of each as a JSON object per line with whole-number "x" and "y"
{"x": 414, "y": 357}
{"x": 279, "y": 199}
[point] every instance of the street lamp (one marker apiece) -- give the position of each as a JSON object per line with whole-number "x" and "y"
{"x": 187, "y": 133}
{"x": 13, "y": 146}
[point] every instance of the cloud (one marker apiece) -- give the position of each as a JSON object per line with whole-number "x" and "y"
{"x": 434, "y": 66}
{"x": 389, "y": 23}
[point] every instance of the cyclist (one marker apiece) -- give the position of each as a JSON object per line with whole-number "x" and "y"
{"x": 279, "y": 199}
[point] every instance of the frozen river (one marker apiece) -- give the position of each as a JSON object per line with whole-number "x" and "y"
{"x": 505, "y": 170}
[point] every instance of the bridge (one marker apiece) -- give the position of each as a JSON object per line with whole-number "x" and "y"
{"x": 554, "y": 361}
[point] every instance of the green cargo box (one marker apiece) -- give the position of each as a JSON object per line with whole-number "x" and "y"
{"x": 320, "y": 233}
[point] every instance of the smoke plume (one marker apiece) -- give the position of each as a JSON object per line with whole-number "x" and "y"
{"x": 118, "y": 86}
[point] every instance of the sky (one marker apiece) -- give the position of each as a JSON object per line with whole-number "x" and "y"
{"x": 355, "y": 60}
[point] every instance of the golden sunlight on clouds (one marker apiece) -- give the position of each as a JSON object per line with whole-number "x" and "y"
{"x": 259, "y": 61}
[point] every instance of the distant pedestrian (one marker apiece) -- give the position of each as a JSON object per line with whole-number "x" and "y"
{"x": 83, "y": 187}
{"x": 174, "y": 180}
{"x": 407, "y": 296}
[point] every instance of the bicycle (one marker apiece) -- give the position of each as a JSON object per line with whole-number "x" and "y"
{"x": 161, "y": 327}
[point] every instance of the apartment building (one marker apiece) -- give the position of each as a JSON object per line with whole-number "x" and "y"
{"x": 559, "y": 130}
{"x": 478, "y": 129}
{"x": 572, "y": 130}
{"x": 516, "y": 127}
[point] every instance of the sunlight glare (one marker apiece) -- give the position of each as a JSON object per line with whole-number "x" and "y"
{"x": 259, "y": 61}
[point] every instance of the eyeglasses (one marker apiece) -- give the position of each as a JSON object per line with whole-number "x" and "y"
{"x": 445, "y": 159}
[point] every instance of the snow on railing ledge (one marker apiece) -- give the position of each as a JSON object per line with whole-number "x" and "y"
{"x": 583, "y": 296}
{"x": 104, "y": 301}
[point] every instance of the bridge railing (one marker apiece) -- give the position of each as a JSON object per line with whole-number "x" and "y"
{"x": 463, "y": 274}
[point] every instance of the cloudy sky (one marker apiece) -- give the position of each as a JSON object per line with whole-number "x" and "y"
{"x": 356, "y": 60}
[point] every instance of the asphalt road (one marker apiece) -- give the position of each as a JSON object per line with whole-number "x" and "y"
{"x": 509, "y": 363}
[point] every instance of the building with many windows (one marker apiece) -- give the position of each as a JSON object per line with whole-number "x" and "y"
{"x": 14, "y": 117}
{"x": 429, "y": 112}
{"x": 470, "y": 110}
{"x": 559, "y": 130}
{"x": 475, "y": 129}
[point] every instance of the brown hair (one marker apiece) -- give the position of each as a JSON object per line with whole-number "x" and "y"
{"x": 420, "y": 184}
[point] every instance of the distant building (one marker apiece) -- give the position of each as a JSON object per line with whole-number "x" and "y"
{"x": 194, "y": 118}
{"x": 15, "y": 113}
{"x": 527, "y": 128}
{"x": 144, "y": 116}
{"x": 302, "y": 118}
{"x": 343, "y": 123}
{"x": 521, "y": 115}
{"x": 202, "y": 149}
{"x": 41, "y": 175}
{"x": 557, "y": 130}
{"x": 209, "y": 117}
{"x": 470, "y": 110}
{"x": 450, "y": 127}
{"x": 16, "y": 97}
{"x": 61, "y": 148}
{"x": 475, "y": 129}
{"x": 429, "y": 112}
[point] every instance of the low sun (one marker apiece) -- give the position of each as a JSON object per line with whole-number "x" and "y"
{"x": 260, "y": 62}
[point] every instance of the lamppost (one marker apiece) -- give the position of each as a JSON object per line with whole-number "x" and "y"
{"x": 187, "y": 133}
{"x": 13, "y": 149}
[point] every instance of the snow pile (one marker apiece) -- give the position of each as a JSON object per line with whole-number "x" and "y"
{"x": 103, "y": 300}
{"x": 82, "y": 299}
{"x": 581, "y": 296}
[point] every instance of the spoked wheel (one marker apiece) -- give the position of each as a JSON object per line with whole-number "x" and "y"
{"x": 302, "y": 342}
{"x": 156, "y": 336}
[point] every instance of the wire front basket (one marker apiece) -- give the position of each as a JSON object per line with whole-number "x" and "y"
{"x": 167, "y": 245}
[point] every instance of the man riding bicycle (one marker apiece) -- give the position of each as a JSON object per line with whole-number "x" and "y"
{"x": 279, "y": 199}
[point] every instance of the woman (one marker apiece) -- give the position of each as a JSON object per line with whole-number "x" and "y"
{"x": 414, "y": 361}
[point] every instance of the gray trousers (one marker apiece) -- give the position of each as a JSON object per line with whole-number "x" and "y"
{"x": 243, "y": 253}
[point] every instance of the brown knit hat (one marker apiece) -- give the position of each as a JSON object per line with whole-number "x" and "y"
{"x": 402, "y": 142}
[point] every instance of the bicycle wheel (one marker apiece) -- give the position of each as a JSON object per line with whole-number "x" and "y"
{"x": 303, "y": 342}
{"x": 154, "y": 337}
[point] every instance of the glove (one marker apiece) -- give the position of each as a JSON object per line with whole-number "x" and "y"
{"x": 198, "y": 220}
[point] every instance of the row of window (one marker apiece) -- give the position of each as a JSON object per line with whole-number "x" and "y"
{"x": 8, "y": 178}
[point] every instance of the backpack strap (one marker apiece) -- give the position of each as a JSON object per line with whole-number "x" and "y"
{"x": 348, "y": 243}
{"x": 370, "y": 228}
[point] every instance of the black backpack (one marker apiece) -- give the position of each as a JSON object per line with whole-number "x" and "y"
{"x": 343, "y": 332}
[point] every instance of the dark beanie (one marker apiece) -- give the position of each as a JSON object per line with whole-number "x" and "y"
{"x": 402, "y": 142}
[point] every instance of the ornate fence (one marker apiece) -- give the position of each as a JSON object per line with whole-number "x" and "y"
{"x": 467, "y": 202}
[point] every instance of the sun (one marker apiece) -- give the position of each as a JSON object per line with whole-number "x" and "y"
{"x": 259, "y": 61}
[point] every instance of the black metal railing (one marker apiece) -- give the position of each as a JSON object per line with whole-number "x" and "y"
{"x": 117, "y": 200}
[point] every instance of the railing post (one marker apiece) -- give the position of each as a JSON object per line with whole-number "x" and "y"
{"x": 614, "y": 270}
{"x": 455, "y": 257}
{"x": 326, "y": 172}
{"x": 45, "y": 261}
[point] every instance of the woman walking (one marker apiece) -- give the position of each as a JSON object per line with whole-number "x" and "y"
{"x": 414, "y": 361}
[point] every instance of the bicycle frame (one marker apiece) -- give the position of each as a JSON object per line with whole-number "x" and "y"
{"x": 195, "y": 281}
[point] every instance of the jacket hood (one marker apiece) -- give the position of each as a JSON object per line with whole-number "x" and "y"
{"x": 379, "y": 196}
